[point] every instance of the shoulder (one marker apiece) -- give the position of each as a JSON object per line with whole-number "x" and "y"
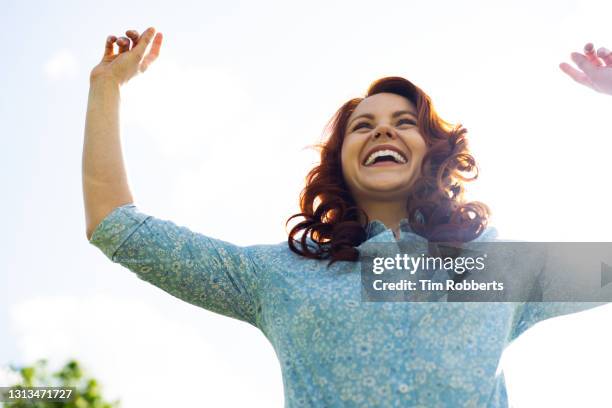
{"x": 528, "y": 253}
{"x": 489, "y": 234}
{"x": 279, "y": 257}
{"x": 277, "y": 253}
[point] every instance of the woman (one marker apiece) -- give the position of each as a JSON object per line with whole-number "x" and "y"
{"x": 391, "y": 172}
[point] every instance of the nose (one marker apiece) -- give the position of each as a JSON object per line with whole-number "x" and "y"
{"x": 384, "y": 130}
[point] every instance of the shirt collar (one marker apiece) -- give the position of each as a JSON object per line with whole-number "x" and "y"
{"x": 375, "y": 228}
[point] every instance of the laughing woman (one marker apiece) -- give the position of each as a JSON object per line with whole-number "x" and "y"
{"x": 391, "y": 171}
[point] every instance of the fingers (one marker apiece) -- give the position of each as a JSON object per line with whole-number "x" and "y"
{"x": 588, "y": 67}
{"x": 154, "y": 53}
{"x": 134, "y": 36}
{"x": 144, "y": 41}
{"x": 124, "y": 44}
{"x": 605, "y": 55}
{"x": 589, "y": 51}
{"x": 136, "y": 43}
{"x": 576, "y": 75}
{"x": 157, "y": 42}
{"x": 108, "y": 48}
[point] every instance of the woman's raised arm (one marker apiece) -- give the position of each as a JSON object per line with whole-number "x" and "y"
{"x": 206, "y": 272}
{"x": 105, "y": 183}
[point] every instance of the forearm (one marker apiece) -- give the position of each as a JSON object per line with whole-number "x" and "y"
{"x": 105, "y": 184}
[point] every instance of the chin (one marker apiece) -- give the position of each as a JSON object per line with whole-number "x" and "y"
{"x": 387, "y": 185}
{"x": 388, "y": 191}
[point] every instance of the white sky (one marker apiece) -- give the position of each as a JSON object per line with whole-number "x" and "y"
{"x": 214, "y": 137}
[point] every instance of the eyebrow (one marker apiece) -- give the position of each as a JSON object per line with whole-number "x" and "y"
{"x": 394, "y": 115}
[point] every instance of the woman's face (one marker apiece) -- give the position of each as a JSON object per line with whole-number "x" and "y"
{"x": 382, "y": 149}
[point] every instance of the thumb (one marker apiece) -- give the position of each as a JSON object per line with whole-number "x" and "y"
{"x": 143, "y": 42}
{"x": 584, "y": 64}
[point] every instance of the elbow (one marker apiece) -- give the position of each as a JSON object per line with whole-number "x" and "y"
{"x": 90, "y": 227}
{"x": 94, "y": 215}
{"x": 89, "y": 231}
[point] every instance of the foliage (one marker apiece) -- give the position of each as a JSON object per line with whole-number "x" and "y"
{"x": 87, "y": 390}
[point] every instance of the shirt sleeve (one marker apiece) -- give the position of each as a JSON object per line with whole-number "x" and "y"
{"x": 206, "y": 272}
{"x": 569, "y": 282}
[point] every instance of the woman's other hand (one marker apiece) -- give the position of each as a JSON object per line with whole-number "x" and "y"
{"x": 130, "y": 58}
{"x": 595, "y": 68}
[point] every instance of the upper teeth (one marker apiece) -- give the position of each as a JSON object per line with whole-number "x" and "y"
{"x": 398, "y": 157}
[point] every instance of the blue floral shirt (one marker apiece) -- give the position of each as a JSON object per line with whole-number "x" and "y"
{"x": 334, "y": 349}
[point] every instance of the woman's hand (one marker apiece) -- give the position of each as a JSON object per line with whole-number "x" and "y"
{"x": 595, "y": 68}
{"x": 130, "y": 59}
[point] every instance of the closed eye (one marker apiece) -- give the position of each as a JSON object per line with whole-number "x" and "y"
{"x": 359, "y": 126}
{"x": 412, "y": 122}
{"x": 406, "y": 120}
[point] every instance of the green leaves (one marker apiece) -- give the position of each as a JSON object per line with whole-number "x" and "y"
{"x": 88, "y": 390}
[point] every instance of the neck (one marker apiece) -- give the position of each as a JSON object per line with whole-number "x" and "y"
{"x": 389, "y": 213}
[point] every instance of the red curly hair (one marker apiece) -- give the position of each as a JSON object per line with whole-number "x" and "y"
{"x": 435, "y": 205}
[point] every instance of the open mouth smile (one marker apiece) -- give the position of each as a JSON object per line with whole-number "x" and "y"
{"x": 384, "y": 156}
